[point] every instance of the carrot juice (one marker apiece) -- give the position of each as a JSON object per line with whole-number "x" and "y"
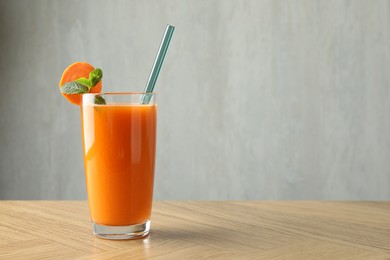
{"x": 119, "y": 141}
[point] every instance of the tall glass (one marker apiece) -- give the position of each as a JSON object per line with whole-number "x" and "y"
{"x": 119, "y": 143}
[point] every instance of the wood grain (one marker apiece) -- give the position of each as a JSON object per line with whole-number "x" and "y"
{"x": 212, "y": 229}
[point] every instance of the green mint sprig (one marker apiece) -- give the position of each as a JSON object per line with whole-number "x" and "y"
{"x": 84, "y": 85}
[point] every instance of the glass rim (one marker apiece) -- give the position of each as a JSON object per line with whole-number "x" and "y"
{"x": 120, "y": 93}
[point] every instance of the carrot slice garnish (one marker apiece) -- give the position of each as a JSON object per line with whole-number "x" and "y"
{"x": 73, "y": 73}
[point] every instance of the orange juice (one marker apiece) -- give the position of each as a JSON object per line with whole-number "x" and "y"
{"x": 119, "y": 143}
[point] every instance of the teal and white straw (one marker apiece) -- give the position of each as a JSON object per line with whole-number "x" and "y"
{"x": 158, "y": 63}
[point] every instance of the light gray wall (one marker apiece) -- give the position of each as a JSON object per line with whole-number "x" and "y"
{"x": 257, "y": 99}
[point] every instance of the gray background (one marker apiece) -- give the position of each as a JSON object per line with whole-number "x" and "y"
{"x": 257, "y": 99}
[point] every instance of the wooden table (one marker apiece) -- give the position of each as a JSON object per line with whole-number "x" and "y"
{"x": 217, "y": 229}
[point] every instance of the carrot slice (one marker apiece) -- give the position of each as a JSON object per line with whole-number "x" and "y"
{"x": 73, "y": 72}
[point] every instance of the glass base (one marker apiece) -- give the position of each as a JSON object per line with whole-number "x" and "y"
{"x": 121, "y": 232}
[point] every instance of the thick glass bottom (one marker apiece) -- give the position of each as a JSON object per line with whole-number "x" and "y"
{"x": 121, "y": 232}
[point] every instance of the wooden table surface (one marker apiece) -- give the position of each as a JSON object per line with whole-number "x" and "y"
{"x": 215, "y": 229}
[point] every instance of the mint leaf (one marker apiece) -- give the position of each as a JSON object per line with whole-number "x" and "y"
{"x": 84, "y": 81}
{"x": 99, "y": 100}
{"x": 74, "y": 88}
{"x": 95, "y": 76}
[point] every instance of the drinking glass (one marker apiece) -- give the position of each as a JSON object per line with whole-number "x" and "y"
{"x": 119, "y": 144}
